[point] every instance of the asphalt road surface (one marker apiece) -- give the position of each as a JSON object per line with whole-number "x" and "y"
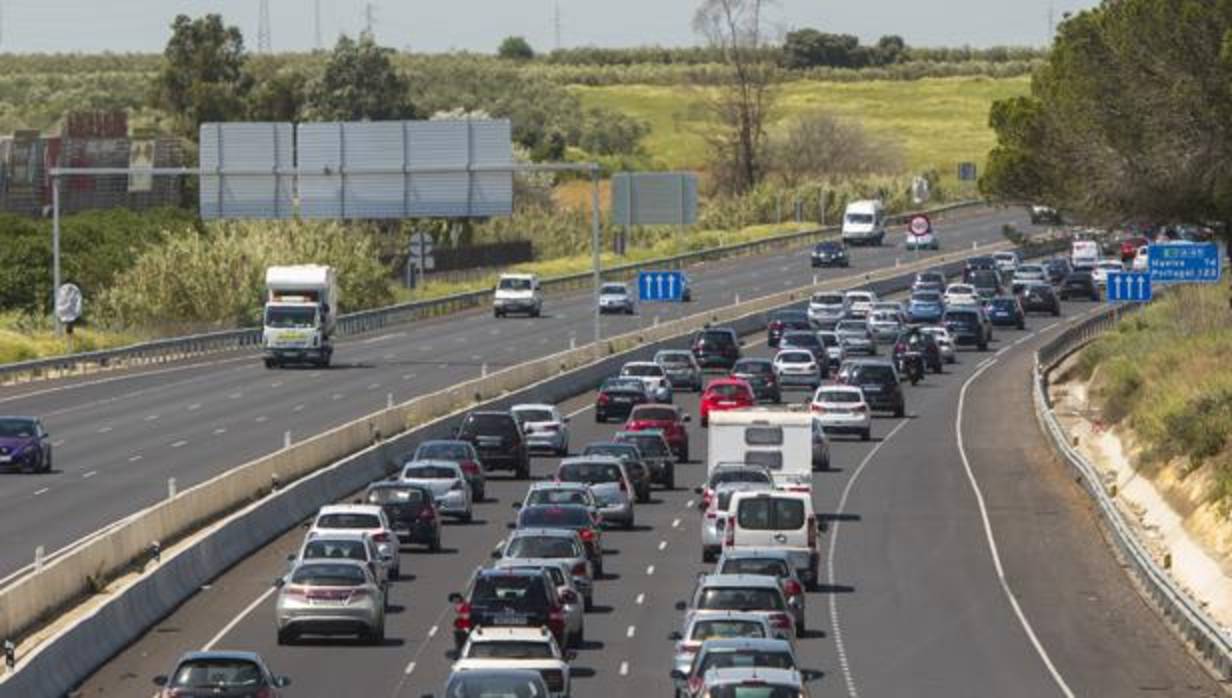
{"x": 118, "y": 437}
{"x": 914, "y": 600}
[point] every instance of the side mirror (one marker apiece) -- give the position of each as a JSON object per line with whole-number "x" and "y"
{"x": 496, "y": 554}
{"x": 282, "y": 681}
{"x": 809, "y": 675}
{"x": 517, "y": 505}
{"x": 681, "y": 606}
{"x": 678, "y": 675}
{"x": 822, "y": 526}
{"x": 160, "y": 680}
{"x": 687, "y": 418}
{"x": 512, "y": 525}
{"x": 455, "y": 597}
{"x": 675, "y": 636}
{"x": 570, "y": 596}
{"x": 291, "y": 557}
{"x": 565, "y": 420}
{"x": 698, "y": 490}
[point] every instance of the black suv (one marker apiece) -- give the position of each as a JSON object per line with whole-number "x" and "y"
{"x": 716, "y": 346}
{"x": 499, "y": 441}
{"x": 879, "y": 381}
{"x": 784, "y": 321}
{"x": 987, "y": 283}
{"x": 975, "y": 264}
{"x": 759, "y": 374}
{"x": 411, "y": 510}
{"x": 1040, "y": 298}
{"x": 1079, "y": 284}
{"x": 830, "y": 253}
{"x": 519, "y": 598}
{"x": 618, "y": 396}
{"x": 968, "y": 326}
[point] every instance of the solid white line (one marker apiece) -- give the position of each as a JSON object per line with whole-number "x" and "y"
{"x": 373, "y": 386}
{"x": 580, "y": 410}
{"x": 276, "y": 384}
{"x": 432, "y": 630}
{"x": 842, "y": 505}
{"x": 238, "y": 619}
{"x": 297, "y": 408}
{"x": 992, "y": 542}
{"x": 113, "y": 379}
{"x": 220, "y": 430}
{"x": 410, "y": 668}
{"x": 236, "y": 395}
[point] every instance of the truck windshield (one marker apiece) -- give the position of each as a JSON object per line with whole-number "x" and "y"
{"x": 290, "y": 317}
{"x": 860, "y": 218}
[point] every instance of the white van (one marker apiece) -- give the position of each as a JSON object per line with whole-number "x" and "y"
{"x": 517, "y": 293}
{"x": 864, "y": 223}
{"x": 780, "y": 438}
{"x": 779, "y": 520}
{"x": 1084, "y": 255}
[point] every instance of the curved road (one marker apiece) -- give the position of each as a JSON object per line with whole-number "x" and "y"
{"x": 914, "y": 605}
{"x": 119, "y": 437}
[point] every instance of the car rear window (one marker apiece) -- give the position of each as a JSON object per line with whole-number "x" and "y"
{"x": 613, "y": 290}
{"x": 214, "y": 674}
{"x": 589, "y": 472}
{"x": 963, "y": 317}
{"x": 753, "y": 367}
{"x": 346, "y": 549}
{"x": 770, "y": 567}
{"x": 771, "y": 514}
{"x": 828, "y": 299}
{"x": 791, "y": 316}
{"x": 674, "y": 359}
{"x": 16, "y": 428}
{"x": 443, "y": 451}
{"x": 852, "y": 326}
{"x": 509, "y": 284}
{"x": 622, "y": 385}
{"x": 726, "y": 658}
{"x": 721, "y": 629}
{"x": 643, "y": 370}
{"x": 488, "y": 424}
{"x": 509, "y": 650}
{"x": 348, "y": 520}
{"x": 738, "y": 475}
{"x": 926, "y": 298}
{"x": 841, "y": 396}
{"x": 828, "y": 339}
{"x": 549, "y": 516}
{"x": 1003, "y": 303}
{"x": 328, "y": 575}
{"x": 534, "y": 416}
{"x": 557, "y": 497}
{"x": 796, "y": 357}
{"x": 655, "y": 413}
{"x": 717, "y": 337}
{"x": 728, "y": 390}
{"x": 396, "y": 495}
{"x": 429, "y": 472}
{"x": 648, "y": 444}
{"x": 740, "y": 599}
{"x": 874, "y": 373}
{"x": 625, "y": 452}
{"x": 541, "y": 546}
{"x": 518, "y": 591}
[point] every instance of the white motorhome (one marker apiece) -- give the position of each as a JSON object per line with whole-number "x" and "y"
{"x": 779, "y": 438}
{"x": 301, "y": 307}
{"x": 1084, "y": 254}
{"x": 864, "y": 223}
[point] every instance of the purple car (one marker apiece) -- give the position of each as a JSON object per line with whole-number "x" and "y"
{"x": 24, "y": 445}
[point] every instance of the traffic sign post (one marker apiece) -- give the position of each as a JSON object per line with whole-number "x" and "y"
{"x": 420, "y": 256}
{"x": 68, "y": 309}
{"x": 660, "y": 286}
{"x": 1129, "y": 287}
{"x": 1185, "y": 262}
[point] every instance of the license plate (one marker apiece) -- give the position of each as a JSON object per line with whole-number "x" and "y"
{"x": 509, "y": 619}
{"x": 622, "y": 399}
{"x": 871, "y": 388}
{"x": 6, "y": 459}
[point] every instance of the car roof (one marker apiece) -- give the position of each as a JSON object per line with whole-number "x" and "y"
{"x": 553, "y": 485}
{"x": 546, "y": 532}
{"x": 746, "y": 643}
{"x": 510, "y": 571}
{"x": 532, "y": 406}
{"x": 639, "y": 363}
{"x": 517, "y": 275}
{"x": 726, "y": 380}
{"x": 349, "y": 509}
{"x": 739, "y": 580}
{"x": 519, "y": 674}
{"x": 840, "y": 388}
{"x": 431, "y": 463}
{"x": 397, "y": 485}
{"x": 221, "y": 654}
{"x": 344, "y": 534}
{"x": 870, "y": 362}
{"x": 736, "y": 675}
{"x": 635, "y": 434}
{"x": 752, "y": 616}
{"x": 594, "y": 458}
{"x": 331, "y": 561}
{"x": 18, "y": 417}
{"x": 643, "y": 408}
{"x": 746, "y": 553}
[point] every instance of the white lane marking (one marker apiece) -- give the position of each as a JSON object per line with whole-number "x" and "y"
{"x": 631, "y": 631}
{"x": 195, "y": 406}
{"x": 42, "y": 491}
{"x": 432, "y": 630}
{"x": 992, "y": 541}
{"x": 298, "y": 408}
{"x": 1045, "y": 328}
{"x": 179, "y": 444}
{"x": 842, "y": 505}
{"x": 407, "y": 376}
{"x": 580, "y": 410}
{"x": 336, "y": 396}
{"x": 476, "y": 357}
{"x": 261, "y": 419}
{"x": 641, "y": 598}
{"x": 236, "y": 395}
{"x": 373, "y": 386}
{"x": 134, "y": 459}
{"x": 58, "y": 444}
{"x": 220, "y": 430}
{"x": 662, "y": 545}
{"x": 382, "y": 338}
{"x": 1001, "y": 351}
{"x": 104, "y": 430}
{"x": 276, "y": 384}
{"x": 238, "y": 619}
{"x": 410, "y": 668}
{"x": 494, "y": 332}
{"x": 87, "y": 476}
{"x": 675, "y": 523}
{"x": 151, "y": 418}
{"x": 113, "y": 379}
{"x": 650, "y": 570}
{"x": 624, "y": 668}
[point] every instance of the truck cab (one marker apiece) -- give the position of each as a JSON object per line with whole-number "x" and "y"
{"x": 864, "y": 223}
{"x": 517, "y": 293}
{"x": 299, "y": 316}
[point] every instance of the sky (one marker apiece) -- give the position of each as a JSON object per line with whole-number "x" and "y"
{"x": 479, "y": 25}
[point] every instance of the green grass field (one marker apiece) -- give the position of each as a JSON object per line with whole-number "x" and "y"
{"x": 938, "y": 121}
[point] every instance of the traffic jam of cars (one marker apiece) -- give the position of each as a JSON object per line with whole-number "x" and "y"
{"x": 767, "y": 418}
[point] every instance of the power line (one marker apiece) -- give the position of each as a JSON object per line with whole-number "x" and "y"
{"x": 369, "y": 17}
{"x": 263, "y": 29}
{"x": 556, "y": 19}
{"x": 316, "y": 24}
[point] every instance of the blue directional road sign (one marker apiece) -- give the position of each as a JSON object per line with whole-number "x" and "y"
{"x": 1129, "y": 287}
{"x": 1184, "y": 263}
{"x": 660, "y": 286}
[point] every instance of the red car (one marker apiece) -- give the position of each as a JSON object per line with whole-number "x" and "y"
{"x": 669, "y": 419}
{"x": 726, "y": 394}
{"x": 1129, "y": 247}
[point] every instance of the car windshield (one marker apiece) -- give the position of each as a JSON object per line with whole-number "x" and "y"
{"x": 507, "y": 649}
{"x": 740, "y": 599}
{"x": 533, "y": 415}
{"x": 16, "y": 428}
{"x": 648, "y": 444}
{"x": 859, "y": 297}
{"x": 801, "y": 339}
{"x": 791, "y": 316}
{"x": 856, "y": 326}
{"x": 613, "y": 290}
{"x": 514, "y": 284}
{"x": 429, "y": 472}
{"x": 753, "y": 689}
{"x": 728, "y": 390}
{"x": 456, "y": 451}
{"x": 926, "y": 298}
{"x": 674, "y": 359}
{"x": 621, "y": 451}
{"x": 515, "y": 590}
{"x": 664, "y": 414}
{"x": 960, "y": 289}
{"x": 828, "y": 299}
{"x": 722, "y": 629}
{"x": 318, "y": 575}
{"x": 541, "y": 546}
{"x": 557, "y": 497}
{"x": 860, "y": 218}
{"x": 408, "y": 496}
{"x": 770, "y": 567}
{"x": 282, "y": 316}
{"x": 555, "y": 516}
{"x": 652, "y": 370}
{"x": 348, "y": 520}
{"x": 217, "y": 673}
{"x": 348, "y": 549}
{"x": 795, "y": 357}
{"x": 1003, "y": 303}
{"x": 467, "y": 684}
{"x": 589, "y": 473}
{"x": 884, "y": 316}
{"x": 840, "y": 396}
{"x": 962, "y": 318}
{"x": 627, "y": 384}
{"x": 725, "y": 658}
{"x": 716, "y": 337}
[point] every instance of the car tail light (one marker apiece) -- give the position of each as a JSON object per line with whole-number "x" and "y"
{"x": 462, "y": 621}
{"x": 470, "y": 467}
{"x": 587, "y": 535}
{"x": 457, "y": 486}
{"x": 793, "y": 588}
{"x": 861, "y": 408}
{"x": 780, "y": 620}
{"x": 689, "y": 647}
{"x": 426, "y": 514}
{"x": 264, "y": 692}
{"x": 579, "y": 570}
{"x": 776, "y": 326}
{"x": 556, "y": 620}
{"x": 604, "y": 399}
{"x": 295, "y": 592}
{"x": 817, "y": 409}
{"x": 624, "y": 486}
{"x": 380, "y": 537}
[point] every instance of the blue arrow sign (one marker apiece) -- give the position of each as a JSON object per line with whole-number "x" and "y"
{"x": 664, "y": 286}
{"x": 1129, "y": 287}
{"x": 1185, "y": 262}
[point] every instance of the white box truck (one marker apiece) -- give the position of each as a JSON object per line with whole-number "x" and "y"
{"x": 779, "y": 438}
{"x": 301, "y": 308}
{"x": 864, "y": 223}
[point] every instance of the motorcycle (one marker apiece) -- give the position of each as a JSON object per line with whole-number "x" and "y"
{"x": 911, "y": 364}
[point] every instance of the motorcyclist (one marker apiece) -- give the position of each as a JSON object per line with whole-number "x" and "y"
{"x": 913, "y": 340}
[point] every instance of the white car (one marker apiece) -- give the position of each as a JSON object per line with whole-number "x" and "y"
{"x": 885, "y": 325}
{"x": 960, "y": 294}
{"x": 615, "y": 298}
{"x": 544, "y": 427}
{"x": 895, "y": 307}
{"x": 841, "y": 409}
{"x": 1142, "y": 260}
{"x": 1007, "y": 262}
{"x": 517, "y": 293}
{"x": 1100, "y": 273}
{"x": 944, "y": 342}
{"x": 714, "y": 519}
{"x": 652, "y": 376}
{"x": 715, "y": 626}
{"x": 1029, "y": 273}
{"x": 448, "y": 485}
{"x": 530, "y": 649}
{"x": 361, "y": 518}
{"x": 797, "y": 367}
{"x": 826, "y": 308}
{"x": 859, "y": 303}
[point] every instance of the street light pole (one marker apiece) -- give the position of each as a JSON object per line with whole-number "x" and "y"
{"x": 594, "y": 248}
{"x": 55, "y": 250}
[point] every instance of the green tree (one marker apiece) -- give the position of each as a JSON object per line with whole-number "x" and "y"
{"x": 202, "y": 77}
{"x": 359, "y": 83}
{"x": 515, "y": 48}
{"x": 280, "y": 89}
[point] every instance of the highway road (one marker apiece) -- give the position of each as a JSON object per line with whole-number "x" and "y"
{"x": 915, "y": 601}
{"x": 118, "y": 437}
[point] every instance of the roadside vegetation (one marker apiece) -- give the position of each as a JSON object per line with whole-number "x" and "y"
{"x": 1163, "y": 373}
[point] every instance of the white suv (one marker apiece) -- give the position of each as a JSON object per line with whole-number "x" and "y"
{"x": 530, "y": 649}
{"x": 517, "y": 293}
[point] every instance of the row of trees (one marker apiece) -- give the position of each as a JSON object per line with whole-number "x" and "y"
{"x": 1130, "y": 117}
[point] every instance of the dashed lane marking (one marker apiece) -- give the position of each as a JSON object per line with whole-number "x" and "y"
{"x": 194, "y": 407}
{"x": 410, "y": 669}
{"x": 42, "y": 491}
{"x": 134, "y": 459}
{"x": 297, "y": 408}
{"x": 220, "y": 430}
{"x": 261, "y": 419}
{"x": 662, "y": 545}
{"x": 151, "y": 418}
{"x": 675, "y": 523}
{"x": 432, "y": 630}
{"x": 104, "y": 430}
{"x": 87, "y": 476}
{"x": 641, "y": 598}
{"x": 650, "y": 570}
{"x": 624, "y": 668}
{"x": 179, "y": 444}
{"x": 631, "y": 631}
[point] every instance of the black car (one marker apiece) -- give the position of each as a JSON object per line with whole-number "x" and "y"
{"x": 411, "y": 510}
{"x": 879, "y": 381}
{"x": 974, "y": 264}
{"x": 1057, "y": 269}
{"x": 759, "y": 374}
{"x": 933, "y": 277}
{"x": 499, "y": 441}
{"x": 24, "y": 445}
{"x": 783, "y": 321}
{"x": 830, "y": 253}
{"x": 968, "y": 326}
{"x": 1040, "y": 298}
{"x": 1006, "y": 311}
{"x": 618, "y": 396}
{"x": 639, "y": 474}
{"x": 1079, "y": 284}
{"x": 716, "y": 347}
{"x": 987, "y": 283}
{"x": 520, "y": 598}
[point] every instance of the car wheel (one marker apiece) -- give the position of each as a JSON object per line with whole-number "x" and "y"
{"x": 982, "y": 346}
{"x": 628, "y": 524}
{"x": 669, "y": 481}
{"x": 588, "y": 603}
{"x": 900, "y": 412}
{"x": 496, "y": 313}
{"x": 270, "y": 363}
{"x": 435, "y": 545}
{"x": 375, "y": 636}
{"x": 47, "y": 463}
{"x": 684, "y": 455}
{"x": 707, "y": 555}
{"x": 396, "y": 573}
{"x": 468, "y": 517}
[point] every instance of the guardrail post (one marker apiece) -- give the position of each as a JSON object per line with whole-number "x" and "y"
{"x": 483, "y": 370}
{"x": 39, "y": 554}
{"x": 572, "y": 342}
{"x": 286, "y": 439}
{"x": 736, "y": 300}
{"x": 170, "y": 488}
{"x": 389, "y": 401}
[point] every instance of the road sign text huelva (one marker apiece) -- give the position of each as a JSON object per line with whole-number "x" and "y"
{"x": 1129, "y": 287}
{"x": 1184, "y": 262}
{"x": 660, "y": 286}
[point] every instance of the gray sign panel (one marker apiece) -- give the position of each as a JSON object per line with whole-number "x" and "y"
{"x": 405, "y": 169}
{"x": 966, "y": 171}
{"x": 654, "y": 198}
{"x": 246, "y": 170}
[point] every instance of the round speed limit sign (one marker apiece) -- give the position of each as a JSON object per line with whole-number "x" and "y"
{"x": 919, "y": 225}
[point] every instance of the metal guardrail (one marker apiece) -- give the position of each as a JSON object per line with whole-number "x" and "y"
{"x": 1185, "y": 614}
{"x": 177, "y": 348}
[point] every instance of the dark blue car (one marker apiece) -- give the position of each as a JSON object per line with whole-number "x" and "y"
{"x": 1006, "y": 312}
{"x": 24, "y": 445}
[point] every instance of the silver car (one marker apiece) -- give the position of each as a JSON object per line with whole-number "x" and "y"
{"x": 539, "y": 547}
{"x": 826, "y": 308}
{"x": 714, "y": 626}
{"x": 772, "y": 562}
{"x": 885, "y": 325}
{"x": 345, "y": 545}
{"x": 544, "y": 426}
{"x": 836, "y": 349}
{"x": 743, "y": 592}
{"x": 714, "y": 520}
{"x": 761, "y": 681}
{"x": 652, "y": 376}
{"x": 856, "y": 337}
{"x": 615, "y": 298}
{"x": 330, "y": 597}
{"x": 682, "y": 369}
{"x": 609, "y": 482}
{"x": 548, "y": 492}
{"x": 448, "y": 485}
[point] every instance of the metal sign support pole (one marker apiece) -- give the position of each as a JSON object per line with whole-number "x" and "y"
{"x": 594, "y": 247}
{"x": 55, "y": 250}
